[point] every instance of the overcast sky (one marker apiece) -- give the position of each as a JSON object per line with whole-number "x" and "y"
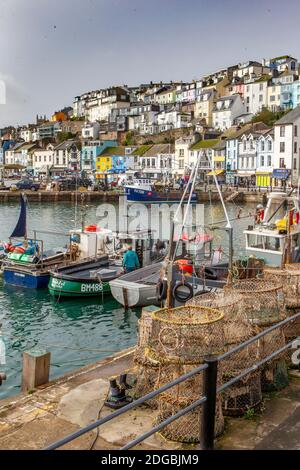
{"x": 53, "y": 50}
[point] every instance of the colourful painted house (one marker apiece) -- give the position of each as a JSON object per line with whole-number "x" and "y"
{"x": 113, "y": 161}
{"x": 91, "y": 150}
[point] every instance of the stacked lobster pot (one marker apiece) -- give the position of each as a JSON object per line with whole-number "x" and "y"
{"x": 180, "y": 340}
{"x": 290, "y": 279}
{"x": 246, "y": 393}
{"x": 263, "y": 303}
{"x": 147, "y": 369}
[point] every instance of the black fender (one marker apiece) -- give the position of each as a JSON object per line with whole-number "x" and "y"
{"x": 161, "y": 290}
{"x": 183, "y": 297}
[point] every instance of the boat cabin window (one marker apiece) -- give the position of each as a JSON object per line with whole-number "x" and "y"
{"x": 263, "y": 242}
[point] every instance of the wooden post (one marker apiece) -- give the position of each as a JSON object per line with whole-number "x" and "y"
{"x": 36, "y": 368}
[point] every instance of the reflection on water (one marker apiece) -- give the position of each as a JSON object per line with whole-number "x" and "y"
{"x": 79, "y": 331}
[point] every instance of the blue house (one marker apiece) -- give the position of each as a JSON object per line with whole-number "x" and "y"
{"x": 6, "y": 144}
{"x": 91, "y": 150}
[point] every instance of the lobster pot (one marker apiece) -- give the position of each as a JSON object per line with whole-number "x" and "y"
{"x": 292, "y": 328}
{"x": 186, "y": 429}
{"x": 290, "y": 280}
{"x": 275, "y": 376}
{"x": 144, "y": 334}
{"x": 262, "y": 300}
{"x": 243, "y": 395}
{"x": 237, "y": 329}
{"x": 187, "y": 334}
{"x": 147, "y": 379}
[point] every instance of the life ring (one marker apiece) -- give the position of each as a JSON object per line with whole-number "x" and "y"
{"x": 183, "y": 297}
{"x": 210, "y": 273}
{"x": 19, "y": 249}
{"x": 161, "y": 290}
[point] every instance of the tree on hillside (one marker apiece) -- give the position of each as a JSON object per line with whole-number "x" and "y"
{"x": 129, "y": 138}
{"x": 269, "y": 117}
{"x": 63, "y": 136}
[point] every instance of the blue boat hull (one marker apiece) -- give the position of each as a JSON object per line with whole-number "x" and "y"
{"x": 142, "y": 195}
{"x": 25, "y": 279}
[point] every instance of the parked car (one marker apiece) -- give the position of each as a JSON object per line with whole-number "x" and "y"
{"x": 70, "y": 184}
{"x": 28, "y": 184}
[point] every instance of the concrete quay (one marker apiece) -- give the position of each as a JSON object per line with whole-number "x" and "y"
{"x": 33, "y": 421}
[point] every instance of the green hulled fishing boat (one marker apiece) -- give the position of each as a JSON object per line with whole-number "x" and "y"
{"x": 85, "y": 279}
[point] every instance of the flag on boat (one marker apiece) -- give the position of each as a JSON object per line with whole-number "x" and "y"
{"x": 20, "y": 230}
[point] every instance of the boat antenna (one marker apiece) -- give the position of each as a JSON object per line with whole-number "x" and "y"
{"x": 76, "y": 200}
{"x": 219, "y": 192}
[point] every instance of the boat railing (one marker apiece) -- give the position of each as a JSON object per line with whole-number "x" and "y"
{"x": 211, "y": 388}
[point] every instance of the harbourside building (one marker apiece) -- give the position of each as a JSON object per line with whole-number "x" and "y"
{"x": 287, "y": 146}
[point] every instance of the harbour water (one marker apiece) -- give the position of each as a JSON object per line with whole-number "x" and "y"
{"x": 77, "y": 332}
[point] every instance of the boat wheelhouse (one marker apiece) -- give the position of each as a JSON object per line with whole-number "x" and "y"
{"x": 275, "y": 235}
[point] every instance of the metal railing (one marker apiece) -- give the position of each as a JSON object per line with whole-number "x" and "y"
{"x": 210, "y": 370}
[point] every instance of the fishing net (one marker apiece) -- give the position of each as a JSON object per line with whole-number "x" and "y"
{"x": 187, "y": 334}
{"x": 290, "y": 280}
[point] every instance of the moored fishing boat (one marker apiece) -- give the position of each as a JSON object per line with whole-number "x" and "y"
{"x": 144, "y": 190}
{"x": 85, "y": 279}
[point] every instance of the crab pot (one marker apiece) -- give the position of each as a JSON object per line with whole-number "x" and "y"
{"x": 144, "y": 333}
{"x": 275, "y": 376}
{"x": 243, "y": 395}
{"x": 290, "y": 280}
{"x": 187, "y": 334}
{"x": 262, "y": 300}
{"x": 292, "y": 328}
{"x": 186, "y": 429}
{"x": 147, "y": 378}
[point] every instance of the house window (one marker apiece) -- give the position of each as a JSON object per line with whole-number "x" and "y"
{"x": 261, "y": 86}
{"x": 181, "y": 152}
{"x": 272, "y": 98}
{"x": 296, "y": 131}
{"x": 282, "y": 131}
{"x": 180, "y": 164}
{"x": 262, "y": 146}
{"x": 269, "y": 145}
{"x": 269, "y": 160}
{"x": 262, "y": 161}
{"x": 295, "y": 164}
{"x": 281, "y": 163}
{"x": 295, "y": 147}
{"x": 260, "y": 98}
{"x": 245, "y": 145}
{"x": 282, "y": 147}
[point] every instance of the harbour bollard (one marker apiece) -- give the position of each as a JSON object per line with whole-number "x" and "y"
{"x": 36, "y": 368}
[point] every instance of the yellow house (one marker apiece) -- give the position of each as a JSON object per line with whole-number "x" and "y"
{"x": 60, "y": 116}
{"x": 103, "y": 164}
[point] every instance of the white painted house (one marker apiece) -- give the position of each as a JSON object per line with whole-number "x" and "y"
{"x": 256, "y": 95}
{"x": 182, "y": 153}
{"x": 226, "y": 110}
{"x": 265, "y": 159}
{"x": 43, "y": 159}
{"x": 173, "y": 119}
{"x": 287, "y": 144}
{"x": 91, "y": 130}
